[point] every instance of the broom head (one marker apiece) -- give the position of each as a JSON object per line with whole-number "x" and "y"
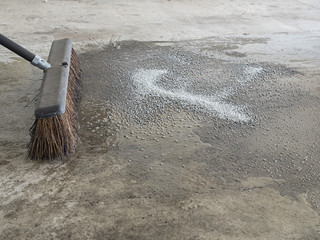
{"x": 54, "y": 133}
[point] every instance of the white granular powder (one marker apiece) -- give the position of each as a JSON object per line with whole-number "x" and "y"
{"x": 146, "y": 81}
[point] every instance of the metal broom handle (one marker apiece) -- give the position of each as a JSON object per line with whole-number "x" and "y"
{"x": 24, "y": 53}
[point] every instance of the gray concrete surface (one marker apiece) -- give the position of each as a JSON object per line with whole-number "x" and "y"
{"x": 199, "y": 120}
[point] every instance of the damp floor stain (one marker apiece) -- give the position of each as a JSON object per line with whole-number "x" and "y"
{"x": 186, "y": 133}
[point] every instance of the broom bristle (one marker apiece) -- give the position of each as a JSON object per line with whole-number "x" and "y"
{"x": 56, "y": 137}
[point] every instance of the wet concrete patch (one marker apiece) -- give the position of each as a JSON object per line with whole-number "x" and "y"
{"x": 244, "y": 114}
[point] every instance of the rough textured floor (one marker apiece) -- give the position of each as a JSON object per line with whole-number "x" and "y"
{"x": 199, "y": 120}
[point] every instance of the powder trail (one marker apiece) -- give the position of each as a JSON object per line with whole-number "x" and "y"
{"x": 146, "y": 81}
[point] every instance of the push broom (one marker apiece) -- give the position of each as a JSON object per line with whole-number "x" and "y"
{"x": 54, "y": 133}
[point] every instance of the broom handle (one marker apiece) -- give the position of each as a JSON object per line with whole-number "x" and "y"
{"x": 24, "y": 53}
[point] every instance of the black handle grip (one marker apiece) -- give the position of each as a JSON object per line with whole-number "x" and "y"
{"x": 22, "y": 52}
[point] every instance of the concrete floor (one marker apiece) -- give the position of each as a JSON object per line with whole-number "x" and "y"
{"x": 199, "y": 120}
